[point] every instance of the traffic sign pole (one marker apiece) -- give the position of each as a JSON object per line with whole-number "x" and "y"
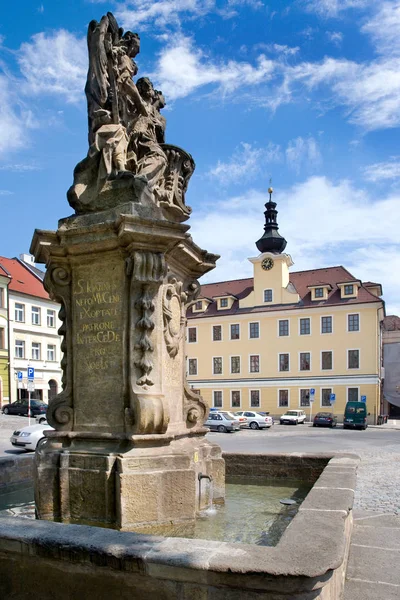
{"x": 31, "y": 378}
{"x": 312, "y": 394}
{"x": 29, "y": 407}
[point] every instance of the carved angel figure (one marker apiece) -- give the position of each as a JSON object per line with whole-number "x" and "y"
{"x": 127, "y": 156}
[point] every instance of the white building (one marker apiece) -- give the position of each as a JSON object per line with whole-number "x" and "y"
{"x": 33, "y": 325}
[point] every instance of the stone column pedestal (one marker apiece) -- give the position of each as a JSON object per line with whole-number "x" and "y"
{"x": 129, "y": 442}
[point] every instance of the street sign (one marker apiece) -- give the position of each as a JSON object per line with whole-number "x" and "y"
{"x": 363, "y": 398}
{"x": 312, "y": 392}
{"x": 31, "y": 386}
{"x": 19, "y": 375}
{"x": 31, "y": 373}
{"x": 332, "y": 398}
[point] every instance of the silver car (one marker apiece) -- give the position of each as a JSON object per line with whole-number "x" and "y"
{"x": 29, "y": 437}
{"x": 222, "y": 422}
{"x": 255, "y": 420}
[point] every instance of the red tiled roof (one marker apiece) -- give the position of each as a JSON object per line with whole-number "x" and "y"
{"x": 301, "y": 280}
{"x": 23, "y": 281}
{"x": 391, "y": 323}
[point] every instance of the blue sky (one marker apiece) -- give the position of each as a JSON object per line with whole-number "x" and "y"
{"x": 304, "y": 91}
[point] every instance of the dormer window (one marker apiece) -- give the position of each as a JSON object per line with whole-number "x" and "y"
{"x": 223, "y": 303}
{"x": 320, "y": 291}
{"x": 348, "y": 290}
{"x": 267, "y": 295}
{"x": 199, "y": 305}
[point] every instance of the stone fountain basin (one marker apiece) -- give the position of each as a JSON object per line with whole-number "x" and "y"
{"x": 309, "y": 561}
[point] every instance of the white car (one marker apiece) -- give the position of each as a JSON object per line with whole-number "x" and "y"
{"x": 255, "y": 420}
{"x": 293, "y": 417}
{"x": 29, "y": 437}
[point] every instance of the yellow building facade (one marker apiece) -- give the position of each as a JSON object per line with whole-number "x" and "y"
{"x": 287, "y": 340}
{"x": 5, "y": 279}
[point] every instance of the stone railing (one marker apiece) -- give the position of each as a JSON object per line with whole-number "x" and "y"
{"x": 77, "y": 561}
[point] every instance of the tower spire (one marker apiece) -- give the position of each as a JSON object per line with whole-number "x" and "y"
{"x": 271, "y": 241}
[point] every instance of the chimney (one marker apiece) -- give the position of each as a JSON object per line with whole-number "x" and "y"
{"x": 27, "y": 258}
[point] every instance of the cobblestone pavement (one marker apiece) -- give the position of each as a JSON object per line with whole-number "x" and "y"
{"x": 378, "y": 482}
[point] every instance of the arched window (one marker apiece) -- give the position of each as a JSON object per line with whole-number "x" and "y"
{"x": 53, "y": 389}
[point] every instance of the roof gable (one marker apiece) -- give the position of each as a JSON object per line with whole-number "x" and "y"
{"x": 23, "y": 281}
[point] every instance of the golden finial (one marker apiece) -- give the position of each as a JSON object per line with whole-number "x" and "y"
{"x": 270, "y": 189}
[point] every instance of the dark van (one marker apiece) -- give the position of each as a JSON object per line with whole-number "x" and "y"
{"x": 355, "y": 415}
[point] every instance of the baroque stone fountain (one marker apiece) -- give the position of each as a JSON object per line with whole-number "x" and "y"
{"x": 129, "y": 443}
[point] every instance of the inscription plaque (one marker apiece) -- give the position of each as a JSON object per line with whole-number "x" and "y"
{"x": 98, "y": 321}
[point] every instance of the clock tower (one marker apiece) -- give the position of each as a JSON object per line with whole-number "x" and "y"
{"x": 271, "y": 267}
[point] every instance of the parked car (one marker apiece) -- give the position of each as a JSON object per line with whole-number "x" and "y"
{"x": 355, "y": 415}
{"x": 29, "y": 437}
{"x": 20, "y": 407}
{"x": 293, "y": 417}
{"x": 254, "y": 420}
{"x": 325, "y": 419}
{"x": 222, "y": 422}
{"x": 41, "y": 419}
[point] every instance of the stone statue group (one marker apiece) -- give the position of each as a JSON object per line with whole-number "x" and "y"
{"x": 127, "y": 149}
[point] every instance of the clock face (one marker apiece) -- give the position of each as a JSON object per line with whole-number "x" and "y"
{"x": 267, "y": 264}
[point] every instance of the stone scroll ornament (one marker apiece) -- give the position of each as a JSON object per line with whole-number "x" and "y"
{"x": 57, "y": 283}
{"x": 127, "y": 159}
{"x": 194, "y": 408}
{"x": 146, "y": 413}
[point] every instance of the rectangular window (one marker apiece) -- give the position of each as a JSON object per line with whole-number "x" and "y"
{"x": 284, "y": 327}
{"x": 2, "y": 338}
{"x": 235, "y": 364}
{"x": 35, "y": 351}
{"x": 51, "y": 318}
{"x": 223, "y": 303}
{"x": 51, "y": 352}
{"x": 267, "y": 295}
{"x": 254, "y": 330}
{"x": 235, "y": 396}
{"x": 326, "y": 324}
{"x": 235, "y": 332}
{"x": 198, "y": 305}
{"x": 254, "y": 398}
{"x": 192, "y": 366}
{"x": 319, "y": 292}
{"x": 352, "y": 395}
{"x": 217, "y": 333}
{"x": 353, "y": 322}
{"x": 19, "y": 349}
{"x": 348, "y": 290}
{"x": 217, "y": 399}
{"x": 326, "y": 396}
{"x": 283, "y": 398}
{"x": 1, "y": 297}
{"x": 353, "y": 359}
{"x": 304, "y": 398}
{"x": 254, "y": 363}
{"x": 305, "y": 360}
{"x": 192, "y": 335}
{"x": 326, "y": 360}
{"x": 217, "y": 365}
{"x": 284, "y": 362}
{"x": 305, "y": 326}
{"x": 35, "y": 315}
{"x": 20, "y": 312}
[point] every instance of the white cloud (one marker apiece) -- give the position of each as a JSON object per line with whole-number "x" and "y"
{"x": 384, "y": 28}
{"x": 196, "y": 70}
{"x": 332, "y": 8}
{"x": 19, "y": 167}
{"x": 135, "y": 13}
{"x": 15, "y": 118}
{"x": 245, "y": 162}
{"x": 302, "y": 152}
{"x": 336, "y": 37}
{"x": 324, "y": 223}
{"x": 5, "y": 193}
{"x": 54, "y": 64}
{"x": 383, "y": 170}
